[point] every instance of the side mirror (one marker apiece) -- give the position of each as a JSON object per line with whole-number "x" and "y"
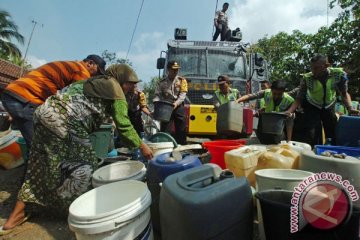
{"x": 259, "y": 60}
{"x": 160, "y": 63}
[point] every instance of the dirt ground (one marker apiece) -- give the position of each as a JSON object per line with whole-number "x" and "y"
{"x": 42, "y": 225}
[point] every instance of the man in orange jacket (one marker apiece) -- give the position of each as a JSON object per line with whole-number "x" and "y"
{"x": 21, "y": 97}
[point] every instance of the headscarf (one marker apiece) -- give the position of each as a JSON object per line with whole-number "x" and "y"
{"x": 108, "y": 86}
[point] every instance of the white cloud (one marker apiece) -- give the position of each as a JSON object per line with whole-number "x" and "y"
{"x": 144, "y": 52}
{"x": 257, "y": 18}
{"x": 35, "y": 61}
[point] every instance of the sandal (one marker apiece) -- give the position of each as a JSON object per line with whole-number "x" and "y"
{"x": 6, "y": 232}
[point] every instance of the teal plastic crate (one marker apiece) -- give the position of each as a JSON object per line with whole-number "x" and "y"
{"x": 100, "y": 140}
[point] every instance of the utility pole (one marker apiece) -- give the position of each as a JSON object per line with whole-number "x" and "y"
{"x": 327, "y": 13}
{"x": 27, "y": 47}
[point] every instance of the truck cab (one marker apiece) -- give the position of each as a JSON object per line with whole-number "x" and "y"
{"x": 201, "y": 63}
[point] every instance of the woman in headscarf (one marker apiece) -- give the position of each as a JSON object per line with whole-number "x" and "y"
{"x": 62, "y": 159}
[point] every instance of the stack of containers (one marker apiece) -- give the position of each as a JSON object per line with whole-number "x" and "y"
{"x": 243, "y": 161}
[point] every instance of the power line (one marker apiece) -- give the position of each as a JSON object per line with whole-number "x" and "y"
{"x": 132, "y": 37}
{"x": 28, "y": 45}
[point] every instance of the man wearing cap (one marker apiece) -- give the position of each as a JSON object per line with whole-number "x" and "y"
{"x": 21, "y": 97}
{"x": 173, "y": 88}
{"x": 224, "y": 94}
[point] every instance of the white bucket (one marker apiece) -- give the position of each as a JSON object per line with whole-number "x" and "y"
{"x": 161, "y": 147}
{"x": 127, "y": 170}
{"x": 118, "y": 210}
{"x": 285, "y": 179}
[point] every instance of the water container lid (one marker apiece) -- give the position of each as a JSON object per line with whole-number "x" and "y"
{"x": 106, "y": 207}
{"x": 118, "y": 171}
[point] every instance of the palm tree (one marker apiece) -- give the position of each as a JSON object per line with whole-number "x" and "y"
{"x": 9, "y": 31}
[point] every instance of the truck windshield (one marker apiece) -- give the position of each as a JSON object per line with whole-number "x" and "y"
{"x": 229, "y": 63}
{"x": 194, "y": 63}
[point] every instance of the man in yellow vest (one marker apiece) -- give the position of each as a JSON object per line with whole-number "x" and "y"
{"x": 224, "y": 93}
{"x": 317, "y": 95}
{"x": 275, "y": 100}
{"x": 260, "y": 103}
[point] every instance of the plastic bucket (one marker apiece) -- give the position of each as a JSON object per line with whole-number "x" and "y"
{"x": 23, "y": 148}
{"x": 4, "y": 121}
{"x": 275, "y": 208}
{"x": 272, "y": 123}
{"x": 285, "y": 179}
{"x": 117, "y": 210}
{"x": 100, "y": 140}
{"x": 163, "y": 111}
{"x": 120, "y": 171}
{"x": 162, "y": 147}
{"x": 218, "y": 148}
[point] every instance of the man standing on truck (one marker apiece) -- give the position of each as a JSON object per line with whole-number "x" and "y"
{"x": 221, "y": 23}
{"x": 173, "y": 89}
{"x": 224, "y": 94}
{"x": 317, "y": 95}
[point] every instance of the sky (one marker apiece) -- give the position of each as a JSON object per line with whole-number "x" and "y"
{"x": 73, "y": 29}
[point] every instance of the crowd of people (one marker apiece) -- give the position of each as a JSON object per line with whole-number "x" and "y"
{"x": 58, "y": 105}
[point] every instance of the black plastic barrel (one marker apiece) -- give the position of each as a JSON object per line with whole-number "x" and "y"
{"x": 272, "y": 123}
{"x": 275, "y": 208}
{"x": 4, "y": 121}
{"x": 163, "y": 111}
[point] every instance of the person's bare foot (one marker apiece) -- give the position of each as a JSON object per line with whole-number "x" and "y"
{"x": 17, "y": 216}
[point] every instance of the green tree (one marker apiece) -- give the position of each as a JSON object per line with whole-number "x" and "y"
{"x": 8, "y": 32}
{"x": 149, "y": 88}
{"x": 285, "y": 54}
{"x": 111, "y": 58}
{"x": 289, "y": 54}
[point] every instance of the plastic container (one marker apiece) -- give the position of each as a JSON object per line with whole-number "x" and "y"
{"x": 120, "y": 171}
{"x": 163, "y": 111}
{"x": 162, "y": 137}
{"x": 275, "y": 208}
{"x": 248, "y": 121}
{"x": 229, "y": 118}
{"x": 118, "y": 210}
{"x": 218, "y": 148}
{"x": 285, "y": 179}
{"x": 23, "y": 147}
{"x": 347, "y": 131}
{"x": 243, "y": 161}
{"x": 195, "y": 204}
{"x": 158, "y": 170}
{"x": 350, "y": 151}
{"x": 161, "y": 147}
{"x": 348, "y": 168}
{"x": 10, "y": 153}
{"x": 272, "y": 123}
{"x": 296, "y": 146}
{"x": 4, "y": 121}
{"x": 278, "y": 157}
{"x": 100, "y": 140}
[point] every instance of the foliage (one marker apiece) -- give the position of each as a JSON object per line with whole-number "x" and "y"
{"x": 289, "y": 54}
{"x": 149, "y": 88}
{"x": 8, "y": 32}
{"x": 111, "y": 58}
